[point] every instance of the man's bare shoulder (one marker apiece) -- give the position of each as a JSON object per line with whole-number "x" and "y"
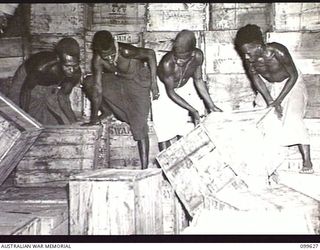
{"x": 128, "y": 50}
{"x": 41, "y": 61}
{"x": 277, "y": 48}
{"x": 198, "y": 55}
{"x": 166, "y": 64}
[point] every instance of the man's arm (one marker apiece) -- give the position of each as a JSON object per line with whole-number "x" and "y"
{"x": 200, "y": 85}
{"x": 96, "y": 94}
{"x": 258, "y": 83}
{"x": 284, "y": 57}
{"x": 64, "y": 97}
{"x": 149, "y": 56}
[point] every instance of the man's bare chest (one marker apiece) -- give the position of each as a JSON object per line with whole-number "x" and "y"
{"x": 181, "y": 75}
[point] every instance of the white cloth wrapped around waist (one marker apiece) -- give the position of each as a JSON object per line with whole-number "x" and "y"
{"x": 294, "y": 108}
{"x": 169, "y": 118}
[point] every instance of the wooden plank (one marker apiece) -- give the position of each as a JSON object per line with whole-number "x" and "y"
{"x": 24, "y": 224}
{"x": 55, "y": 195}
{"x": 17, "y": 133}
{"x": 11, "y": 47}
{"x": 30, "y": 163}
{"x": 43, "y": 178}
{"x": 176, "y": 17}
{"x": 132, "y": 202}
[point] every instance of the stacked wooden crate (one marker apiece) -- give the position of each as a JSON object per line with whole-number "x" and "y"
{"x": 228, "y": 84}
{"x": 177, "y": 16}
{"x": 49, "y": 207}
{"x": 59, "y": 152}
{"x": 116, "y": 202}
{"x": 232, "y": 16}
{"x": 296, "y": 16}
{"x": 123, "y": 148}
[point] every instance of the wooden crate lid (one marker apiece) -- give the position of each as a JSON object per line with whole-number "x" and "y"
{"x": 43, "y": 195}
{"x": 115, "y": 175}
{"x": 15, "y": 115}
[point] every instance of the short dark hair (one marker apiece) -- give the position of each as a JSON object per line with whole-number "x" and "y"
{"x": 248, "y": 34}
{"x": 102, "y": 40}
{"x": 68, "y": 46}
{"x": 185, "y": 41}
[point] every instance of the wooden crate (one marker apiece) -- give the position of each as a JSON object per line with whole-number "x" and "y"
{"x": 220, "y": 54}
{"x": 18, "y": 131}
{"x": 176, "y": 16}
{"x": 233, "y": 16}
{"x": 116, "y": 202}
{"x": 296, "y": 16}
{"x": 268, "y": 212}
{"x": 19, "y": 224}
{"x": 175, "y": 217}
{"x": 49, "y": 205}
{"x": 56, "y": 18}
{"x": 59, "y": 152}
{"x": 128, "y": 17}
{"x": 217, "y": 154}
{"x": 230, "y": 91}
{"x": 124, "y": 150}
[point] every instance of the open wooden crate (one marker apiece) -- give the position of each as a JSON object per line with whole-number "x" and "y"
{"x": 18, "y": 131}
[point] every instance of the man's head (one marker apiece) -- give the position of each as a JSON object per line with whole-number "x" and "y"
{"x": 103, "y": 44}
{"x": 68, "y": 51}
{"x": 249, "y": 41}
{"x": 183, "y": 47}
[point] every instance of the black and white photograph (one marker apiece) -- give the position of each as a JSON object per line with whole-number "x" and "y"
{"x": 160, "y": 119}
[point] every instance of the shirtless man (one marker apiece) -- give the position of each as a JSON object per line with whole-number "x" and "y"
{"x": 123, "y": 83}
{"x": 47, "y": 68}
{"x": 277, "y": 81}
{"x": 176, "y": 68}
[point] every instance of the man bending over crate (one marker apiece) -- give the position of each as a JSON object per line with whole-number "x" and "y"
{"x": 51, "y": 76}
{"x": 279, "y": 85}
{"x": 121, "y": 82}
{"x": 174, "y": 70}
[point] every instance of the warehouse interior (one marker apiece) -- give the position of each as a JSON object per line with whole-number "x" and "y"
{"x": 68, "y": 179}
